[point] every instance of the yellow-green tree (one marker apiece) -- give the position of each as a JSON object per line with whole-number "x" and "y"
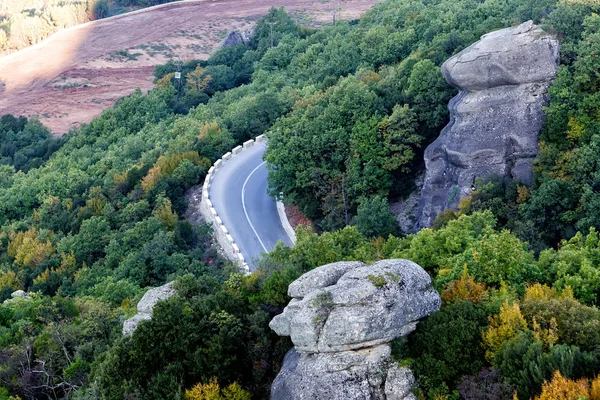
{"x": 198, "y": 79}
{"x": 561, "y": 388}
{"x": 10, "y": 279}
{"x": 27, "y": 249}
{"x": 166, "y": 165}
{"x": 212, "y": 391}
{"x": 504, "y": 326}
{"x": 165, "y": 213}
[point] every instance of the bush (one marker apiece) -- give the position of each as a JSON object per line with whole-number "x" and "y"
{"x": 523, "y": 362}
{"x": 100, "y": 9}
{"x": 488, "y": 384}
{"x": 446, "y": 347}
{"x": 374, "y": 218}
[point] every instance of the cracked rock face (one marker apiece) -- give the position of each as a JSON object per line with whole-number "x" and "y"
{"x": 363, "y": 307}
{"x": 338, "y": 376}
{"x": 495, "y": 119}
{"x": 341, "y": 320}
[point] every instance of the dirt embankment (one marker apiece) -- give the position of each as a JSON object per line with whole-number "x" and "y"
{"x": 75, "y": 74}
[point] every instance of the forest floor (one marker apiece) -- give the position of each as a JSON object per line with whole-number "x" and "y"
{"x": 76, "y": 73}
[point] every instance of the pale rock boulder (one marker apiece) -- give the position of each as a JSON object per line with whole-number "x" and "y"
{"x": 146, "y": 306}
{"x": 341, "y": 320}
{"x": 495, "y": 119}
{"x": 18, "y": 294}
{"x": 348, "y": 375}
{"x": 321, "y": 277}
{"x": 399, "y": 383}
{"x": 367, "y": 306}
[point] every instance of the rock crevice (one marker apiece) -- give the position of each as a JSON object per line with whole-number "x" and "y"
{"x": 341, "y": 320}
{"x": 495, "y": 119}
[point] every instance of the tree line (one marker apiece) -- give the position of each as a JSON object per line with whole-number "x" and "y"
{"x": 90, "y": 221}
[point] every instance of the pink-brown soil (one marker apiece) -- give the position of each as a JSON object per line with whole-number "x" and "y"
{"x": 296, "y": 218}
{"x": 72, "y": 76}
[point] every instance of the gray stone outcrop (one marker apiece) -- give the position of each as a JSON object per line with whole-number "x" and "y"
{"x": 236, "y": 38}
{"x": 318, "y": 278}
{"x": 18, "y": 294}
{"x": 333, "y": 376}
{"x": 399, "y": 384}
{"x": 341, "y": 320}
{"x": 495, "y": 119}
{"x": 146, "y": 306}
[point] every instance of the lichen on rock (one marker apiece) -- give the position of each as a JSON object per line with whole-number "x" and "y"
{"x": 495, "y": 119}
{"x": 341, "y": 320}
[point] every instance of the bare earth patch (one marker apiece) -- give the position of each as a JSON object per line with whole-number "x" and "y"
{"x": 72, "y": 76}
{"x": 296, "y": 218}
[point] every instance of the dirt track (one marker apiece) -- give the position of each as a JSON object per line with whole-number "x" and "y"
{"x": 72, "y": 76}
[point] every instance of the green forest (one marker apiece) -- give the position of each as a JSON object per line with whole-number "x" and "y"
{"x": 90, "y": 221}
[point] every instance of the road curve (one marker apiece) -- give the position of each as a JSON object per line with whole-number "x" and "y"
{"x": 239, "y": 195}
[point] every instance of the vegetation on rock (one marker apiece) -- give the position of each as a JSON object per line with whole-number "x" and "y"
{"x": 91, "y": 220}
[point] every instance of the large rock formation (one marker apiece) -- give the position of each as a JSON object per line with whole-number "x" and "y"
{"x": 236, "y": 38}
{"x": 494, "y": 120}
{"x": 146, "y": 306}
{"x": 341, "y": 320}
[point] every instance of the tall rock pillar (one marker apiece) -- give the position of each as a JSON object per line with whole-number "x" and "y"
{"x": 341, "y": 320}
{"x": 495, "y": 119}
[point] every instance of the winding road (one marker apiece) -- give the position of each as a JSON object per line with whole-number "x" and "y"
{"x": 239, "y": 195}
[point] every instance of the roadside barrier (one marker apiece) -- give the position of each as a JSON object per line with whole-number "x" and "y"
{"x": 230, "y": 249}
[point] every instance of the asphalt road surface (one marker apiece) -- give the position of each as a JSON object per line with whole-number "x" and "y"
{"x": 239, "y": 195}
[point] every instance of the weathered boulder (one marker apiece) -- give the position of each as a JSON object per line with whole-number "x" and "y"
{"x": 495, "y": 119}
{"x": 130, "y": 325}
{"x": 18, "y": 294}
{"x": 399, "y": 383}
{"x": 346, "y": 375}
{"x": 341, "y": 320}
{"x": 367, "y": 306}
{"x": 321, "y": 277}
{"x": 146, "y": 306}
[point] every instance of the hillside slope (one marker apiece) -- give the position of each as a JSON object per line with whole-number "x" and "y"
{"x": 78, "y": 72}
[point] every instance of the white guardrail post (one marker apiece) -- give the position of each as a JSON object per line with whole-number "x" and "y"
{"x": 224, "y": 239}
{"x": 285, "y": 222}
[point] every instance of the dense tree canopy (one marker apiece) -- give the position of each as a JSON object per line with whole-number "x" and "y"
{"x": 88, "y": 222}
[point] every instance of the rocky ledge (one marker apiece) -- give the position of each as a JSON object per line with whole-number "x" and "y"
{"x": 341, "y": 320}
{"x": 146, "y": 305}
{"x": 495, "y": 119}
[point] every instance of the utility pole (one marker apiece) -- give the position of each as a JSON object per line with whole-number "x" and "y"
{"x": 271, "y": 26}
{"x": 178, "y": 77}
{"x": 336, "y": 8}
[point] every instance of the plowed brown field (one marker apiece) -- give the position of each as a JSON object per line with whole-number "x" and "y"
{"x": 76, "y": 73}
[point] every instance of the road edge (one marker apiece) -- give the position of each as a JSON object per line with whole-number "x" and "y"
{"x": 230, "y": 249}
{"x": 285, "y": 222}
